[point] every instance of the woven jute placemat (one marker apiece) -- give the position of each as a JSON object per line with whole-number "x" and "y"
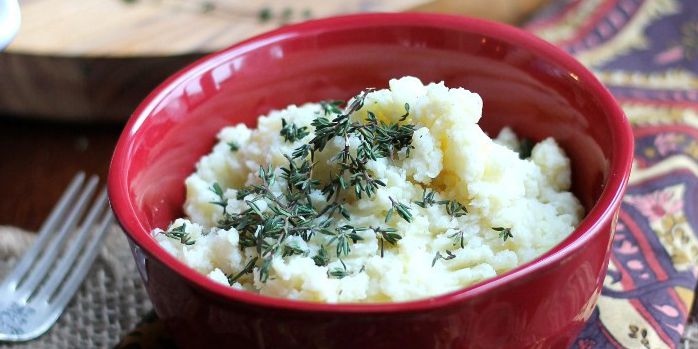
{"x": 111, "y": 301}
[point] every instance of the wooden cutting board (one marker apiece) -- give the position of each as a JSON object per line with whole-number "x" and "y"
{"x": 94, "y": 60}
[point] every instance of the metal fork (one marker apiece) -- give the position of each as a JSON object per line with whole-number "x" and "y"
{"x": 37, "y": 290}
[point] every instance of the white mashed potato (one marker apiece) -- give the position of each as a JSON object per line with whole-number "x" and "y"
{"x": 451, "y": 156}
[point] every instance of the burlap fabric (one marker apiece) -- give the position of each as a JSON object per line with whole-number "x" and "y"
{"x": 109, "y": 304}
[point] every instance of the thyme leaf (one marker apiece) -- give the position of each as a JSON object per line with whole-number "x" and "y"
{"x": 179, "y": 233}
{"x": 331, "y": 107}
{"x": 389, "y": 235}
{"x": 246, "y": 270}
{"x": 401, "y": 209}
{"x": 222, "y": 201}
{"x": 407, "y": 112}
{"x": 291, "y": 132}
{"x": 455, "y": 208}
{"x": 459, "y": 236}
{"x": 525, "y": 148}
{"x": 338, "y": 273}
{"x": 321, "y": 258}
{"x": 504, "y": 233}
{"x": 449, "y": 255}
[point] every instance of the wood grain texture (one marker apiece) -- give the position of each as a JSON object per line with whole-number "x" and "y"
{"x": 40, "y": 158}
{"x": 147, "y": 28}
{"x": 80, "y": 89}
{"x": 506, "y": 11}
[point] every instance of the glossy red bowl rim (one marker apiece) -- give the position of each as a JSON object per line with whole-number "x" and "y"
{"x": 603, "y": 211}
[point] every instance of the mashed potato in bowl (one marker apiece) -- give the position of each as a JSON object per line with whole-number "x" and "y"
{"x": 396, "y": 196}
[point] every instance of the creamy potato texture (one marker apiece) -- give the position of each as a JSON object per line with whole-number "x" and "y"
{"x": 450, "y": 156}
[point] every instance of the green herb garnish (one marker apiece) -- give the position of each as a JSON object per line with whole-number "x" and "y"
{"x": 291, "y": 132}
{"x": 459, "y": 235}
{"x": 331, "y": 107}
{"x": 338, "y": 273}
{"x": 401, "y": 209}
{"x": 246, "y": 270}
{"x": 179, "y": 233}
{"x": 270, "y": 218}
{"x": 222, "y": 201}
{"x": 407, "y": 112}
{"x": 455, "y": 208}
{"x": 449, "y": 255}
{"x": 264, "y": 15}
{"x": 377, "y": 140}
{"x": 389, "y": 235}
{"x": 427, "y": 199}
{"x": 525, "y": 148}
{"x": 291, "y": 249}
{"x": 504, "y": 233}
{"x": 342, "y": 235}
{"x": 321, "y": 258}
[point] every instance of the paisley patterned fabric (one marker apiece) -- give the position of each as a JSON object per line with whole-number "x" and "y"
{"x": 646, "y": 52}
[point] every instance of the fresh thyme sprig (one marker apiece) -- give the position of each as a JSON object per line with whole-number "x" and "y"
{"x": 338, "y": 273}
{"x": 179, "y": 233}
{"x": 222, "y": 201}
{"x": 453, "y": 207}
{"x": 407, "y": 112}
{"x": 321, "y": 258}
{"x": 449, "y": 255}
{"x": 401, "y": 209}
{"x": 331, "y": 107}
{"x": 246, "y": 270}
{"x": 342, "y": 235}
{"x": 427, "y": 199}
{"x": 389, "y": 235}
{"x": 525, "y": 148}
{"x": 459, "y": 235}
{"x": 270, "y": 218}
{"x": 293, "y": 248}
{"x": 291, "y": 132}
{"x": 286, "y": 215}
{"x": 504, "y": 233}
{"x": 376, "y": 140}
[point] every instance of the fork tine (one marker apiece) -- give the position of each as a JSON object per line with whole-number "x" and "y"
{"x": 71, "y": 254}
{"x": 49, "y": 225}
{"x": 40, "y": 269}
{"x": 80, "y": 269}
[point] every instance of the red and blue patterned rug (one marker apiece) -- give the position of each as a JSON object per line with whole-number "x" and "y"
{"x": 646, "y": 52}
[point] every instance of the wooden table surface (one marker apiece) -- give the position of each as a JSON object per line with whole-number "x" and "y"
{"x": 39, "y": 158}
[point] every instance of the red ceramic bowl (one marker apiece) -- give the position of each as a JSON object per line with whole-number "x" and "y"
{"x": 526, "y": 83}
